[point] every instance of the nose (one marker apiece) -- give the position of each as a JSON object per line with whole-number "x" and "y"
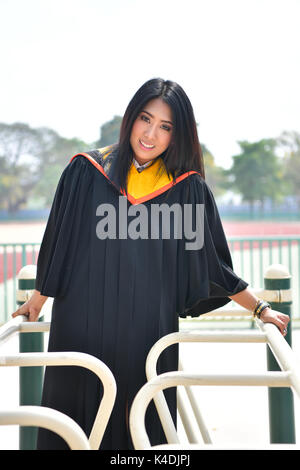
{"x": 150, "y": 132}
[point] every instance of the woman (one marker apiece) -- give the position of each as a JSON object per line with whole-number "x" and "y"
{"x": 133, "y": 241}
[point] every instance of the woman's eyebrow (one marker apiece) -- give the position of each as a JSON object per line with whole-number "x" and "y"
{"x": 151, "y": 115}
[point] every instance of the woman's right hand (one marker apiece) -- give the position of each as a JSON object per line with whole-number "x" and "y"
{"x": 32, "y": 307}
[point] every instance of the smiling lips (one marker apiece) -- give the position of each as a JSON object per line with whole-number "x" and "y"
{"x": 145, "y": 146}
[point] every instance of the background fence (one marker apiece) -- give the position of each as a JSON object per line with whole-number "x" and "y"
{"x": 250, "y": 255}
{"x": 12, "y": 257}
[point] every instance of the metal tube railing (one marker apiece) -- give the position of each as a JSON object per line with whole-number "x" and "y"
{"x": 20, "y": 324}
{"x": 281, "y": 402}
{"x": 283, "y": 353}
{"x": 265, "y": 335}
{"x": 31, "y": 379}
{"x": 269, "y": 334}
{"x": 289, "y": 377}
{"x": 182, "y": 337}
{"x": 63, "y": 359}
{"x": 50, "y": 419}
{"x": 188, "y": 426}
{"x": 172, "y": 379}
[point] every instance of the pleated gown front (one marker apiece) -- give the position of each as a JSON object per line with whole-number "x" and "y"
{"x": 115, "y": 297}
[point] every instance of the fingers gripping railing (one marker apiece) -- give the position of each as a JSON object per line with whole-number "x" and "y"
{"x": 20, "y": 324}
{"x": 64, "y": 359}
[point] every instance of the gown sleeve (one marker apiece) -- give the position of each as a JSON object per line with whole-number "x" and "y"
{"x": 62, "y": 231}
{"x": 211, "y": 279}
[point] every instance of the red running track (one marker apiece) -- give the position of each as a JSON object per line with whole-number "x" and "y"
{"x": 260, "y": 228}
{"x": 17, "y": 259}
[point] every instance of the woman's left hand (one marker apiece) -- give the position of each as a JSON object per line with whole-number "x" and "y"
{"x": 281, "y": 320}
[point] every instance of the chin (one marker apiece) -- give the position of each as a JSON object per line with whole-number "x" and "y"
{"x": 145, "y": 158}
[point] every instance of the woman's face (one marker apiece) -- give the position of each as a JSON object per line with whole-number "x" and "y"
{"x": 152, "y": 130}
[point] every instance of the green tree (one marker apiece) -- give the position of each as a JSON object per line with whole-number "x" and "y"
{"x": 54, "y": 157}
{"x": 109, "y": 132}
{"x": 19, "y": 164}
{"x": 289, "y": 143}
{"x": 31, "y": 161}
{"x": 215, "y": 176}
{"x": 257, "y": 172}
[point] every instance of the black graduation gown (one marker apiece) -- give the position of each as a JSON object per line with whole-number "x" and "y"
{"x": 114, "y": 298}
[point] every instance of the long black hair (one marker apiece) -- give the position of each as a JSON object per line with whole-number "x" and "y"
{"x": 184, "y": 151}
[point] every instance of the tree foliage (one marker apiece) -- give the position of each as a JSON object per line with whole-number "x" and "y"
{"x": 31, "y": 161}
{"x": 257, "y": 172}
{"x": 56, "y": 154}
{"x": 19, "y": 164}
{"x": 215, "y": 176}
{"x": 109, "y": 132}
{"x": 289, "y": 142}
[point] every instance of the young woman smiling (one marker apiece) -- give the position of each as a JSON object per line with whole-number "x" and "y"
{"x": 152, "y": 131}
{"x": 115, "y": 297}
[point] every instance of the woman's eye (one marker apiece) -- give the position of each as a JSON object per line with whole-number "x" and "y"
{"x": 147, "y": 119}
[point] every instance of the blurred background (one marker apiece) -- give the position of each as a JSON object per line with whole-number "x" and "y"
{"x": 69, "y": 69}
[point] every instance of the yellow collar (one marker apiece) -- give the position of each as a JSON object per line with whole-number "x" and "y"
{"x": 151, "y": 180}
{"x": 143, "y": 186}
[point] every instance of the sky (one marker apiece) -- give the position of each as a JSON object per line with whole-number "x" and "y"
{"x": 72, "y": 65}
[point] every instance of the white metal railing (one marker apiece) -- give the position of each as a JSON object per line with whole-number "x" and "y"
{"x": 172, "y": 379}
{"x": 50, "y": 417}
{"x": 289, "y": 376}
{"x": 160, "y": 402}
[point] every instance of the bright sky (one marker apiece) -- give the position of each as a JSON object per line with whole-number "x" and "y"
{"x": 72, "y": 65}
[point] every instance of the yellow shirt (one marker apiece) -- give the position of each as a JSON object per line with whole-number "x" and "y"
{"x": 151, "y": 179}
{"x": 150, "y": 182}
